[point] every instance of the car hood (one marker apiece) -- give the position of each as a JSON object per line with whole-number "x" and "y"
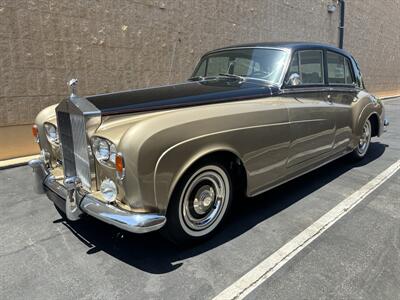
{"x": 179, "y": 95}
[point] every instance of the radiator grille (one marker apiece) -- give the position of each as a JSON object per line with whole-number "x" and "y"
{"x": 74, "y": 145}
{"x": 82, "y": 163}
{"x": 67, "y": 143}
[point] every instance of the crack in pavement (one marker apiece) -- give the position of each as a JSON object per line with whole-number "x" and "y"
{"x": 30, "y": 245}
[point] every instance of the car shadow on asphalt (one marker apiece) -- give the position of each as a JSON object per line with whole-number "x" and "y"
{"x": 151, "y": 253}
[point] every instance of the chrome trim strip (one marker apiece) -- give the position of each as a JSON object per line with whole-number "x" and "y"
{"x": 286, "y": 49}
{"x": 314, "y": 89}
{"x": 199, "y": 137}
{"x": 331, "y": 159}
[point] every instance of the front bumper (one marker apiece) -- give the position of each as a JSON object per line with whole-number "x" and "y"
{"x": 108, "y": 213}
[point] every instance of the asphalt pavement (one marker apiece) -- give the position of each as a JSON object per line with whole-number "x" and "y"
{"x": 44, "y": 257}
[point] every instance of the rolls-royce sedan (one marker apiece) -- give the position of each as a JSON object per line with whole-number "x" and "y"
{"x": 174, "y": 158}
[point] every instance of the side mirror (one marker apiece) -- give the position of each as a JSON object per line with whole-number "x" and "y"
{"x": 294, "y": 79}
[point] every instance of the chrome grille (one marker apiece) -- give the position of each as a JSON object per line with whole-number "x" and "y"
{"x": 72, "y": 117}
{"x": 81, "y": 149}
{"x": 67, "y": 143}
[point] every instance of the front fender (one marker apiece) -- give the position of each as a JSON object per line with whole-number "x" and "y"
{"x": 175, "y": 161}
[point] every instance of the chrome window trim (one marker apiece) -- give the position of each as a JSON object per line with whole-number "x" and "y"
{"x": 317, "y": 89}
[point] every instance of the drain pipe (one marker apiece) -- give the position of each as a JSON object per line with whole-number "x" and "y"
{"x": 341, "y": 25}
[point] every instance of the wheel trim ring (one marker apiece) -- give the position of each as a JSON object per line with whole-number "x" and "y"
{"x": 202, "y": 223}
{"x": 213, "y": 218}
{"x": 364, "y": 139}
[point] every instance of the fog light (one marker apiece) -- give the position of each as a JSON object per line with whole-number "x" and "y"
{"x": 109, "y": 190}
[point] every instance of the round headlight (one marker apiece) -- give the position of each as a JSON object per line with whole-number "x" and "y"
{"x": 51, "y": 133}
{"x": 104, "y": 151}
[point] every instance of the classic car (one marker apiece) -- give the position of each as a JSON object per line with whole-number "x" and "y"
{"x": 176, "y": 157}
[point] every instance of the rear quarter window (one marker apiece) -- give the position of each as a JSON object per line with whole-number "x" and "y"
{"x": 339, "y": 69}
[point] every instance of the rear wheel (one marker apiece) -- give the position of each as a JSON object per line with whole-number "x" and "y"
{"x": 199, "y": 204}
{"x": 363, "y": 145}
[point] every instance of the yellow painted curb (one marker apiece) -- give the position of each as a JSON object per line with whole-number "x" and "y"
{"x": 16, "y": 161}
{"x": 390, "y": 97}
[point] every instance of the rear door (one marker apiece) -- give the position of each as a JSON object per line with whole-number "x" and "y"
{"x": 311, "y": 114}
{"x": 342, "y": 94}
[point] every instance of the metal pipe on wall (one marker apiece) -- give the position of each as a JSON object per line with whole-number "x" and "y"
{"x": 341, "y": 25}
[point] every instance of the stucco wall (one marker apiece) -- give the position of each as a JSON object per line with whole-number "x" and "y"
{"x": 115, "y": 45}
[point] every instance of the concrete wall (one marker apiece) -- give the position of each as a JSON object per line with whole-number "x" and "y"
{"x": 115, "y": 45}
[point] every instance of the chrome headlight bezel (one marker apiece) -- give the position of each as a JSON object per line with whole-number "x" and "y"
{"x": 104, "y": 151}
{"x": 51, "y": 133}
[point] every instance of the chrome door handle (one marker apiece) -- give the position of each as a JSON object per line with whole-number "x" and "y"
{"x": 329, "y": 99}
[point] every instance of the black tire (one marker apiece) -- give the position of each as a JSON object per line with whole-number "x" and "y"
{"x": 199, "y": 205}
{"x": 365, "y": 139}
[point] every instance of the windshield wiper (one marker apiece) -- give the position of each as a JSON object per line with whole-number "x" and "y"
{"x": 197, "y": 78}
{"x": 241, "y": 78}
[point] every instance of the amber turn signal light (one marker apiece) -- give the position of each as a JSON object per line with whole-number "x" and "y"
{"x": 120, "y": 166}
{"x": 35, "y": 133}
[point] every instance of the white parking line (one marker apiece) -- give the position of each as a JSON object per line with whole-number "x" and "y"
{"x": 250, "y": 281}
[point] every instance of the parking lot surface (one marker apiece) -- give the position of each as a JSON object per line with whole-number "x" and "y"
{"x": 44, "y": 257}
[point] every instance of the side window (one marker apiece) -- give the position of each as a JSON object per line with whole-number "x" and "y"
{"x": 339, "y": 70}
{"x": 201, "y": 71}
{"x": 357, "y": 74}
{"x": 311, "y": 67}
{"x": 335, "y": 68}
{"x": 294, "y": 65}
{"x": 348, "y": 72}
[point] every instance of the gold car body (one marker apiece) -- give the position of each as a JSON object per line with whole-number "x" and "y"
{"x": 273, "y": 138}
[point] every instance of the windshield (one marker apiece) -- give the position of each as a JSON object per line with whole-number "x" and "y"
{"x": 257, "y": 63}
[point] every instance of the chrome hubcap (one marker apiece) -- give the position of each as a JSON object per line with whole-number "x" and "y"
{"x": 204, "y": 200}
{"x": 365, "y": 138}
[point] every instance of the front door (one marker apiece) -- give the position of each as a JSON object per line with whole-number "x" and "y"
{"x": 311, "y": 114}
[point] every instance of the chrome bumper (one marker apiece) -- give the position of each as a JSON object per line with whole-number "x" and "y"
{"x": 108, "y": 213}
{"x": 385, "y": 124}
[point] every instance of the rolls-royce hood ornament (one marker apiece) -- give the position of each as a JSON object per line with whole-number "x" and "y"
{"x": 73, "y": 83}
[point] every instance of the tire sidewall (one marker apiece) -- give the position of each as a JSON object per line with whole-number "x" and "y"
{"x": 176, "y": 229}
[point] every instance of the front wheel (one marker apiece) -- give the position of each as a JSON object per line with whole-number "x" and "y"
{"x": 199, "y": 204}
{"x": 363, "y": 145}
